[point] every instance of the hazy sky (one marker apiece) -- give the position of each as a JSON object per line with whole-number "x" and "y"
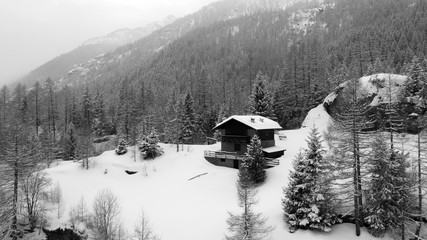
{"x": 35, "y": 31}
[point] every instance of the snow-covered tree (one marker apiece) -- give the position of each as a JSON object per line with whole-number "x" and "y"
{"x": 308, "y": 202}
{"x": 121, "y": 147}
{"x": 149, "y": 145}
{"x": 260, "y": 102}
{"x": 417, "y": 77}
{"x": 389, "y": 187}
{"x": 254, "y": 162}
{"x": 248, "y": 225}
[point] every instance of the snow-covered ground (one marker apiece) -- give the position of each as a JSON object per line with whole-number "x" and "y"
{"x": 177, "y": 207}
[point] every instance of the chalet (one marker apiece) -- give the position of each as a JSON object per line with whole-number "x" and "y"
{"x": 236, "y": 133}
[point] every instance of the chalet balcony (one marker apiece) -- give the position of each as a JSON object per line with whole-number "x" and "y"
{"x": 223, "y": 155}
{"x": 235, "y": 139}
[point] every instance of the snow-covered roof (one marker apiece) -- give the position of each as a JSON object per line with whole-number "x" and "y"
{"x": 273, "y": 149}
{"x": 253, "y": 121}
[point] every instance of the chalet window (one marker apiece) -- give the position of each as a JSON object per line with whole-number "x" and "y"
{"x": 237, "y": 147}
{"x": 222, "y": 159}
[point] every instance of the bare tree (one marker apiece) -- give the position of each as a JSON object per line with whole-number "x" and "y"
{"x": 247, "y": 225}
{"x": 106, "y": 210}
{"x": 33, "y": 186}
{"x": 79, "y": 213}
{"x": 348, "y": 146}
{"x": 56, "y": 197}
{"x": 143, "y": 230}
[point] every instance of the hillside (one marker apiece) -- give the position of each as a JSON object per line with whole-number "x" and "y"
{"x": 304, "y": 48}
{"x": 177, "y": 207}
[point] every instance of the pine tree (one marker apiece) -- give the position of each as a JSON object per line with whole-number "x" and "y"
{"x": 149, "y": 145}
{"x": 308, "y": 202}
{"x": 260, "y": 102}
{"x": 254, "y": 162}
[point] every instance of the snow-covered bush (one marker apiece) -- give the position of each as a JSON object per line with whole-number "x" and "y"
{"x": 121, "y": 147}
{"x": 149, "y": 147}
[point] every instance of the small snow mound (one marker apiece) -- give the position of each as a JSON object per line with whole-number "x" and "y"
{"x": 317, "y": 117}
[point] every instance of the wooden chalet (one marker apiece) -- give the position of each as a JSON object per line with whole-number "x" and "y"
{"x": 236, "y": 133}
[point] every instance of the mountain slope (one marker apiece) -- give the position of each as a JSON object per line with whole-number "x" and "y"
{"x": 92, "y": 48}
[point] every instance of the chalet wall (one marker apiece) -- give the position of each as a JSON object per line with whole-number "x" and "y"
{"x": 268, "y": 143}
{"x": 224, "y": 162}
{"x": 229, "y": 147}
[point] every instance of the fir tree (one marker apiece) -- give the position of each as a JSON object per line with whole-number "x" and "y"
{"x": 308, "y": 202}
{"x": 254, "y": 162}
{"x": 100, "y": 125}
{"x": 417, "y": 78}
{"x": 70, "y": 142}
{"x": 188, "y": 119}
{"x": 260, "y": 100}
{"x": 121, "y": 147}
{"x": 149, "y": 146}
{"x": 389, "y": 187}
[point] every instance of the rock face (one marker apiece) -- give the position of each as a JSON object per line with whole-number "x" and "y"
{"x": 375, "y": 92}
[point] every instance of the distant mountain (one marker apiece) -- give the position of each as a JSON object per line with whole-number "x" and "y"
{"x": 90, "y": 49}
{"x": 124, "y": 36}
{"x": 133, "y": 55}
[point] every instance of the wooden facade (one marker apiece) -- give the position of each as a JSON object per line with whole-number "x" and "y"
{"x": 236, "y": 133}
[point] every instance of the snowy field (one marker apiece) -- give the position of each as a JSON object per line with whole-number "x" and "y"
{"x": 177, "y": 207}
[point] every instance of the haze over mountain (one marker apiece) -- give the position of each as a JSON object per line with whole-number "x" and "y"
{"x": 35, "y": 32}
{"x": 92, "y": 48}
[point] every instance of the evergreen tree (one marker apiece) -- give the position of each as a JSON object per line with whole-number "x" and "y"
{"x": 70, "y": 142}
{"x": 260, "y": 102}
{"x": 308, "y": 202}
{"x": 149, "y": 145}
{"x": 87, "y": 110}
{"x": 254, "y": 162}
{"x": 100, "y": 125}
{"x": 388, "y": 198}
{"x": 417, "y": 78}
{"x": 188, "y": 119}
{"x": 121, "y": 147}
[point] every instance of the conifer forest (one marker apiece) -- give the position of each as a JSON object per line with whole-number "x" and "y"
{"x": 117, "y": 139}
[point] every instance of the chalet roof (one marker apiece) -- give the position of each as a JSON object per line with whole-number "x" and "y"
{"x": 253, "y": 121}
{"x": 273, "y": 149}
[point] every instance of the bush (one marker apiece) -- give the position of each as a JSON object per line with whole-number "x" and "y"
{"x": 121, "y": 147}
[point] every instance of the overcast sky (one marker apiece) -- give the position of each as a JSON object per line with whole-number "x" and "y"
{"x": 34, "y": 31}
